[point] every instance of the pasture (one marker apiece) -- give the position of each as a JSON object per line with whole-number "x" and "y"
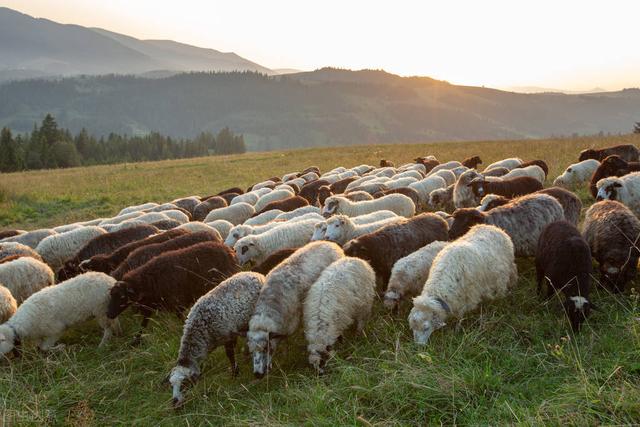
{"x": 514, "y": 361}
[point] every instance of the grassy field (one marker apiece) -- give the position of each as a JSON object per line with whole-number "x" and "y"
{"x": 514, "y": 361}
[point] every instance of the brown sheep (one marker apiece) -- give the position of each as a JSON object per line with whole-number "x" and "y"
{"x": 611, "y": 166}
{"x": 472, "y": 162}
{"x": 203, "y": 208}
{"x": 387, "y": 164}
{"x": 285, "y": 205}
{"x": 541, "y": 163}
{"x": 310, "y": 191}
{"x": 626, "y": 152}
{"x": 273, "y": 260}
{"x": 510, "y": 188}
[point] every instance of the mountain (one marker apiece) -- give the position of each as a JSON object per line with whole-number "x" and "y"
{"x": 31, "y": 47}
{"x": 320, "y": 108}
{"x": 536, "y": 89}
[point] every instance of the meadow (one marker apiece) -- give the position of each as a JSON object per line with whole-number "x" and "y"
{"x": 514, "y": 361}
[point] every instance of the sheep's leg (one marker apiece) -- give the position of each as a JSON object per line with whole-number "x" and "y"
{"x": 146, "y": 315}
{"x": 229, "y": 348}
{"x": 107, "y": 326}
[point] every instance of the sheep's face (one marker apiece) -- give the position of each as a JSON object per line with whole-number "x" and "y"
{"x": 335, "y": 230}
{"x": 318, "y": 357}
{"x": 330, "y": 208}
{"x": 423, "y": 323}
{"x": 463, "y": 220}
{"x": 7, "y": 340}
{"x": 477, "y": 186}
{"x": 588, "y": 154}
{"x": 609, "y": 191}
{"x": 355, "y": 248}
{"x": 246, "y": 251}
{"x": 319, "y": 231}
{"x": 577, "y": 309}
{"x": 121, "y": 297}
{"x": 236, "y": 234}
{"x": 177, "y": 378}
{"x": 262, "y": 344}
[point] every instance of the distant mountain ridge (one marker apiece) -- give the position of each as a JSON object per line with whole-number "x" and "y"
{"x": 36, "y": 47}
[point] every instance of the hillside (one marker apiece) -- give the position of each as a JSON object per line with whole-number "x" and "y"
{"x": 512, "y": 361}
{"x": 321, "y": 108}
{"x": 39, "y": 47}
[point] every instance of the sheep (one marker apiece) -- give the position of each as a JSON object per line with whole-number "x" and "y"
{"x": 420, "y": 168}
{"x": 201, "y": 210}
{"x": 25, "y": 276}
{"x": 384, "y": 163}
{"x": 152, "y": 217}
{"x": 386, "y": 172}
{"x": 319, "y": 231}
{"x": 385, "y": 246}
{"x": 310, "y": 191}
{"x": 410, "y": 273}
{"x": 427, "y": 164}
{"x": 611, "y": 166}
{"x": 342, "y": 296}
{"x": 463, "y": 196}
{"x": 397, "y": 203}
{"x": 273, "y": 260}
{"x": 409, "y": 174}
{"x": 263, "y": 184}
{"x": 263, "y": 218}
{"x": 409, "y": 192}
{"x": 4, "y": 234}
{"x": 496, "y": 172}
{"x": 286, "y": 205}
{"x": 626, "y": 152}
{"x": 625, "y": 190}
{"x": 45, "y": 315}
{"x": 577, "y": 174}
{"x": 222, "y": 226}
{"x": 459, "y": 171}
{"x": 369, "y": 187}
{"x": 271, "y": 197}
{"x": 67, "y": 227}
{"x": 235, "y": 214}
{"x": 195, "y": 226}
{"x": 448, "y": 176}
{"x": 236, "y": 190}
{"x": 533, "y": 171}
{"x": 308, "y": 177}
{"x": 250, "y": 198}
{"x": 173, "y": 280}
{"x": 446, "y": 216}
{"x": 254, "y": 249}
{"x": 522, "y": 219}
{"x": 510, "y": 164}
{"x": 106, "y": 263}
{"x": 612, "y": 232}
{"x": 293, "y": 189}
{"x": 478, "y": 267}
{"x": 358, "y": 196}
{"x": 12, "y": 248}
{"x": 8, "y": 304}
{"x": 121, "y": 218}
{"x": 240, "y": 231}
{"x": 137, "y": 208}
{"x": 57, "y": 249}
{"x": 228, "y": 197}
{"x": 289, "y": 176}
{"x": 361, "y": 169}
{"x": 132, "y": 223}
{"x": 217, "y": 318}
{"x": 340, "y": 228}
{"x": 563, "y": 260}
{"x": 400, "y": 182}
{"x": 279, "y": 307}
{"x": 340, "y": 186}
{"x": 355, "y": 183}
{"x": 571, "y": 204}
{"x": 540, "y": 163}
{"x": 441, "y": 198}
{"x": 144, "y": 254}
{"x": 30, "y": 238}
{"x": 297, "y": 213}
{"x": 445, "y": 166}
{"x": 187, "y": 203}
{"x": 472, "y": 162}
{"x": 508, "y": 187}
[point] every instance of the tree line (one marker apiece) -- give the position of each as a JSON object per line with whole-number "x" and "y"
{"x": 50, "y": 147}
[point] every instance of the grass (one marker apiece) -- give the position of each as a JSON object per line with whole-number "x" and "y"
{"x": 512, "y": 361}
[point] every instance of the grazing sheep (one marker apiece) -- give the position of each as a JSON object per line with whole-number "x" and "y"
{"x": 293, "y": 189}
{"x": 279, "y": 307}
{"x": 235, "y": 214}
{"x": 240, "y": 231}
{"x": 167, "y": 224}
{"x": 613, "y": 233}
{"x": 137, "y": 208}
{"x": 10, "y": 233}
{"x": 223, "y": 226}
{"x": 479, "y": 267}
{"x": 57, "y": 249}
{"x": 272, "y": 197}
{"x": 187, "y": 203}
{"x": 409, "y": 174}
{"x": 397, "y": 203}
{"x": 152, "y": 217}
{"x": 195, "y": 226}
{"x": 387, "y": 245}
{"x": 106, "y": 263}
{"x": 540, "y": 163}
{"x": 445, "y": 166}
{"x": 563, "y": 260}
{"x": 273, "y": 260}
{"x": 472, "y": 162}
{"x": 45, "y": 315}
{"x": 236, "y": 190}
{"x": 319, "y": 231}
{"x": 263, "y": 218}
{"x": 459, "y": 171}
{"x": 121, "y": 218}
{"x": 201, "y": 210}
{"x": 264, "y": 184}
{"x": 12, "y": 248}
{"x": 496, "y": 172}
{"x": 358, "y": 196}
{"x": 410, "y": 273}
{"x": 286, "y": 205}
{"x": 297, "y": 213}
{"x": 30, "y": 238}
{"x": 341, "y": 229}
{"x": 626, "y": 152}
{"x": 533, "y": 171}
{"x": 228, "y": 197}
{"x": 402, "y": 182}
{"x": 625, "y": 190}
{"x": 448, "y": 176}
{"x": 611, "y": 166}
{"x": 510, "y": 164}
{"x": 463, "y": 196}
{"x": 310, "y": 191}
{"x": 522, "y": 219}
{"x": 342, "y": 296}
{"x": 369, "y": 187}
{"x": 340, "y": 186}
{"x": 8, "y": 304}
{"x": 441, "y": 198}
{"x": 67, "y": 227}
{"x": 406, "y": 191}
{"x": 250, "y": 198}
{"x": 387, "y": 163}
{"x": 508, "y": 187}
{"x": 173, "y": 280}
{"x": 427, "y": 164}
{"x": 577, "y": 174}
{"x": 255, "y": 249}
{"x": 216, "y": 319}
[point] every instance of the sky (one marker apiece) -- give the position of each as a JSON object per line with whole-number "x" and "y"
{"x": 559, "y": 44}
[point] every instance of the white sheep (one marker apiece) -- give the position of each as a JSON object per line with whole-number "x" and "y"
{"x": 356, "y": 183}
{"x": 341, "y": 229}
{"x": 441, "y": 198}
{"x": 121, "y": 218}
{"x": 25, "y": 276}
{"x": 67, "y": 227}
{"x": 342, "y": 296}
{"x": 459, "y": 171}
{"x": 250, "y": 198}
{"x": 175, "y": 215}
{"x": 577, "y": 174}
{"x": 397, "y": 203}
{"x": 477, "y": 267}
{"x": 264, "y": 217}
{"x": 195, "y": 226}
{"x": 45, "y": 315}
{"x": 279, "y": 308}
{"x": 235, "y": 214}
{"x": 9, "y": 249}
{"x": 285, "y": 216}
{"x": 510, "y": 163}
{"x": 137, "y": 208}
{"x": 359, "y": 170}
{"x": 416, "y": 167}
{"x": 256, "y": 248}
{"x": 263, "y": 184}
{"x": 57, "y": 249}
{"x": 425, "y": 186}
{"x": 411, "y": 173}
{"x": 445, "y": 166}
{"x": 534, "y": 171}
{"x": 319, "y": 231}
{"x": 448, "y": 176}
{"x": 310, "y": 176}
{"x": 222, "y": 225}
{"x": 400, "y": 182}
{"x": 298, "y": 181}
{"x": 463, "y": 196}
{"x": 625, "y": 189}
{"x": 289, "y": 176}
{"x": 30, "y": 238}
{"x": 272, "y": 197}
{"x": 410, "y": 273}
{"x": 285, "y": 187}
{"x": 151, "y": 217}
{"x": 8, "y": 304}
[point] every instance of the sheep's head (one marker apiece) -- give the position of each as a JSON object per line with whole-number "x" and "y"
{"x": 246, "y": 250}
{"x": 177, "y": 378}
{"x": 472, "y": 162}
{"x": 330, "y": 207}
{"x": 589, "y": 154}
{"x": 392, "y": 299}
{"x": 477, "y": 185}
{"x": 318, "y": 357}
{"x": 463, "y": 220}
{"x": 577, "y": 309}
{"x": 426, "y": 318}
{"x": 491, "y": 201}
{"x": 336, "y": 228}
{"x": 608, "y": 189}
{"x": 237, "y": 233}
{"x": 7, "y": 339}
{"x": 319, "y": 231}
{"x": 120, "y": 297}
{"x": 262, "y": 344}
{"x": 324, "y": 192}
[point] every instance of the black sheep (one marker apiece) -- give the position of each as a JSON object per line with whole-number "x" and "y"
{"x": 9, "y": 233}
{"x": 510, "y": 188}
{"x": 310, "y": 190}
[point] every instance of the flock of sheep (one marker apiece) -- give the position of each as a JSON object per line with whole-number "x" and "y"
{"x": 320, "y": 247}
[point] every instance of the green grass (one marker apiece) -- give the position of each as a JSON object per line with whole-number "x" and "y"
{"x": 512, "y": 361}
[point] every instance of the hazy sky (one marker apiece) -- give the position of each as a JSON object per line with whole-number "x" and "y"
{"x": 568, "y": 44}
